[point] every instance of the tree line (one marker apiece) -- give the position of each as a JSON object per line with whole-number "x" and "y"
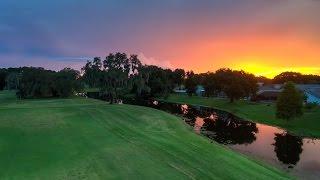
{"x": 119, "y": 74}
{"x": 31, "y": 82}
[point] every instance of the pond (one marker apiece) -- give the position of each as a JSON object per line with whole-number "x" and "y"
{"x": 299, "y": 156}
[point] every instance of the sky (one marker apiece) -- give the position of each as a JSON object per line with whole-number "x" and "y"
{"x": 264, "y": 37}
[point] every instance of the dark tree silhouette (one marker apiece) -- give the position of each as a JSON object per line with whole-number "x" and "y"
{"x": 289, "y": 103}
{"x": 3, "y": 76}
{"x": 178, "y": 76}
{"x": 210, "y": 84}
{"x": 288, "y": 148}
{"x": 296, "y": 77}
{"x": 228, "y": 130}
{"x": 66, "y": 82}
{"x": 235, "y": 84}
{"x": 191, "y": 83}
{"x": 41, "y": 83}
{"x": 115, "y": 78}
{"x": 92, "y": 72}
{"x": 158, "y": 80}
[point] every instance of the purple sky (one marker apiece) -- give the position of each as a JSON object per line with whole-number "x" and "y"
{"x": 60, "y": 33}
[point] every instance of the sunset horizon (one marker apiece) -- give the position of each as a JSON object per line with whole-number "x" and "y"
{"x": 160, "y": 89}
{"x": 262, "y": 37}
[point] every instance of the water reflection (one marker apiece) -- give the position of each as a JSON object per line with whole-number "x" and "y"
{"x": 270, "y": 144}
{"x": 227, "y": 130}
{"x": 198, "y": 125}
{"x": 288, "y": 148}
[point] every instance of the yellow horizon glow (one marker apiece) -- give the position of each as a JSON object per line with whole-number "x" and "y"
{"x": 270, "y": 71}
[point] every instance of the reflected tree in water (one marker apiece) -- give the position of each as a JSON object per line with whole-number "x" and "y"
{"x": 226, "y": 129}
{"x": 288, "y": 148}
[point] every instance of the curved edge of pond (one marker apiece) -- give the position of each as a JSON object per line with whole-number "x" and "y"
{"x": 292, "y": 132}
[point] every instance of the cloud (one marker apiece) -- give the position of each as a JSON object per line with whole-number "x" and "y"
{"x": 153, "y": 61}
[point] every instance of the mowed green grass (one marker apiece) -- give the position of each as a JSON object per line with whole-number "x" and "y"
{"x": 307, "y": 125}
{"x": 90, "y": 139}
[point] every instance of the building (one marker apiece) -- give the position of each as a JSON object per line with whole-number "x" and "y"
{"x": 312, "y": 92}
{"x": 200, "y": 91}
{"x": 271, "y": 92}
{"x": 180, "y": 90}
{"x": 268, "y": 92}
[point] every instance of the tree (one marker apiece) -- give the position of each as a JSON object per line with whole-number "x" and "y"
{"x": 157, "y": 81}
{"x": 210, "y": 84}
{"x": 233, "y": 89}
{"x": 12, "y": 80}
{"x": 41, "y": 83}
{"x": 296, "y": 77}
{"x": 140, "y": 84}
{"x": 115, "y": 75}
{"x": 236, "y": 84}
{"x": 92, "y": 72}
{"x": 191, "y": 83}
{"x": 178, "y": 76}
{"x": 264, "y": 80}
{"x": 3, "y": 76}
{"x": 119, "y": 75}
{"x": 289, "y": 103}
{"x": 36, "y": 83}
{"x": 66, "y": 82}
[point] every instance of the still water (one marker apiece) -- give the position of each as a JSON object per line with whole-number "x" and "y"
{"x": 299, "y": 156}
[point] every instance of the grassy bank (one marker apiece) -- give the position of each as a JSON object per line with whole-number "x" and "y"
{"x": 307, "y": 125}
{"x": 89, "y": 139}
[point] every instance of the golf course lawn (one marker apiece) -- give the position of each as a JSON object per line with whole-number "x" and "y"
{"x": 307, "y": 125}
{"x": 90, "y": 139}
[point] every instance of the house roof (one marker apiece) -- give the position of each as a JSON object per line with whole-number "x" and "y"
{"x": 313, "y": 89}
{"x": 269, "y": 94}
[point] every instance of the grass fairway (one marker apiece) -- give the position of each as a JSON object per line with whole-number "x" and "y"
{"x": 89, "y": 139}
{"x": 307, "y": 125}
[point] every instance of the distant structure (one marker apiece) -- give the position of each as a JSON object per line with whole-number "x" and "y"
{"x": 312, "y": 92}
{"x": 200, "y": 91}
{"x": 180, "y": 90}
{"x": 270, "y": 92}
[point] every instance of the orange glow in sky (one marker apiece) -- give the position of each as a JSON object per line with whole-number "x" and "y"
{"x": 261, "y": 54}
{"x": 264, "y": 37}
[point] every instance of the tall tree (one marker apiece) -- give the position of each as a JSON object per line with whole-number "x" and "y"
{"x": 13, "y": 80}
{"x": 289, "y": 103}
{"x": 191, "y": 83}
{"x": 92, "y": 72}
{"x": 210, "y": 84}
{"x": 178, "y": 76}
{"x": 66, "y": 82}
{"x": 236, "y": 84}
{"x": 3, "y": 76}
{"x": 158, "y": 81}
{"x": 118, "y": 74}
